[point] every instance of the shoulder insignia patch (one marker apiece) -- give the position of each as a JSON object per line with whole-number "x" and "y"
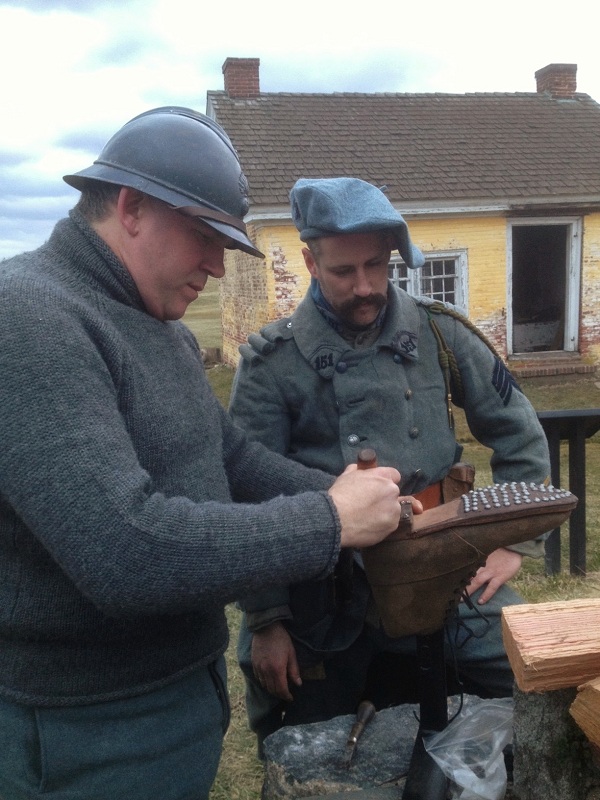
{"x": 503, "y": 382}
{"x": 324, "y": 361}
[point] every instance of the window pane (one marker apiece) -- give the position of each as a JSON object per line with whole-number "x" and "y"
{"x": 438, "y": 279}
{"x": 398, "y": 274}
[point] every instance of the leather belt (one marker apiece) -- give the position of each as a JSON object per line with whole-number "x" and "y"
{"x": 431, "y": 496}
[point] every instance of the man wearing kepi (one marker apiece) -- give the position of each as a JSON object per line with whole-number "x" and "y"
{"x": 131, "y": 508}
{"x": 357, "y": 366}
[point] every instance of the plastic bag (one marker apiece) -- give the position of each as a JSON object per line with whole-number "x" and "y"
{"x": 469, "y": 750}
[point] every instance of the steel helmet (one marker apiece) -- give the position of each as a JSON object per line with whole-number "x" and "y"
{"x": 184, "y": 158}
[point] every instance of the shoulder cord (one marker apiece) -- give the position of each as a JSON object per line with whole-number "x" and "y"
{"x": 447, "y": 359}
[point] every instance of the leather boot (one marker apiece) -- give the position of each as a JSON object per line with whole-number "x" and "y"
{"x": 418, "y": 573}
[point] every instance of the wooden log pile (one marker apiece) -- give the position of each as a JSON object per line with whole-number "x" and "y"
{"x": 553, "y": 645}
{"x": 554, "y": 651}
{"x": 585, "y": 710}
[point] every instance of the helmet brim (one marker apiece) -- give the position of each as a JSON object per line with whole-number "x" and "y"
{"x": 120, "y": 177}
{"x": 240, "y": 240}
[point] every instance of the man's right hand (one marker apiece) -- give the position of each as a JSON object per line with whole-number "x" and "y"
{"x": 274, "y": 660}
{"x": 367, "y": 502}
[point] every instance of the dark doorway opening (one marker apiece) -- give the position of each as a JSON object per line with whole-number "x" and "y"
{"x": 539, "y": 277}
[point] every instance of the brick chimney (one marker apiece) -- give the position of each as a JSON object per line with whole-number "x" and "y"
{"x": 560, "y": 80}
{"x": 241, "y": 77}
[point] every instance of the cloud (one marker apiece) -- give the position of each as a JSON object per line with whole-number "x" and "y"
{"x": 87, "y": 140}
{"x": 381, "y": 71}
{"x": 28, "y": 222}
{"x": 11, "y": 158}
{"x": 79, "y": 69}
{"x": 73, "y": 6}
{"x": 125, "y": 50}
{"x": 31, "y": 202}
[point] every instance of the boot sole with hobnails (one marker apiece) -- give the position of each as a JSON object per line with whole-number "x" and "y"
{"x": 419, "y": 572}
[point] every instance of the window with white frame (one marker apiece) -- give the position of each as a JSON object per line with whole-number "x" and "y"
{"x": 442, "y": 277}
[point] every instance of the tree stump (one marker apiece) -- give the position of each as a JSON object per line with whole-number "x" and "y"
{"x": 552, "y": 757}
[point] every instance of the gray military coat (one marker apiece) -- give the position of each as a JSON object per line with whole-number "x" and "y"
{"x": 302, "y": 390}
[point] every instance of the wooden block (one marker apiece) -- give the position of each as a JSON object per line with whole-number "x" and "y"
{"x": 553, "y": 645}
{"x": 585, "y": 710}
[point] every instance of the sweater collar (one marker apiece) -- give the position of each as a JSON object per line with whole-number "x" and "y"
{"x": 95, "y": 262}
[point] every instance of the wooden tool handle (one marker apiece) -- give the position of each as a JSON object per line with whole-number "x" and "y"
{"x": 366, "y": 459}
{"x": 365, "y": 713}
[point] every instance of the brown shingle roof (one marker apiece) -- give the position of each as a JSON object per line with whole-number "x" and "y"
{"x": 512, "y": 149}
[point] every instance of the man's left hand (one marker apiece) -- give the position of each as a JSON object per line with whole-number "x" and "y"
{"x": 500, "y": 567}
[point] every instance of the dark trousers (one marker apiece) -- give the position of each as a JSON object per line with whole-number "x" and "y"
{"x": 164, "y": 745}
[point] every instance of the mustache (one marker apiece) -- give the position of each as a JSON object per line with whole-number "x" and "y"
{"x": 376, "y": 300}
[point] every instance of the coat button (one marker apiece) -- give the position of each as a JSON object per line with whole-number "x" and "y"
{"x": 341, "y": 366}
{"x": 397, "y": 358}
{"x": 408, "y": 394}
{"x": 413, "y": 433}
{"x": 353, "y": 440}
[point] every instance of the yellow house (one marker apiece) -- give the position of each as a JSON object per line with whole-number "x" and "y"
{"x": 501, "y": 192}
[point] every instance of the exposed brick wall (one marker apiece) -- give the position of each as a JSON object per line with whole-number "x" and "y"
{"x": 589, "y": 337}
{"x": 241, "y": 76}
{"x": 244, "y": 306}
{"x": 290, "y": 276}
{"x": 255, "y": 292}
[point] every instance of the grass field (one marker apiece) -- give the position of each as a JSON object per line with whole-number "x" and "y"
{"x": 203, "y": 316}
{"x": 240, "y": 772}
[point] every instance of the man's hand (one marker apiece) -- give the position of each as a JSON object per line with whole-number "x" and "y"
{"x": 274, "y": 660}
{"x": 500, "y": 567}
{"x": 367, "y": 503}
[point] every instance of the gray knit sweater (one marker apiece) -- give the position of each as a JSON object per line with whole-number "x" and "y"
{"x": 119, "y": 540}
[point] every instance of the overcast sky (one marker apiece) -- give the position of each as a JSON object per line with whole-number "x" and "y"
{"x": 74, "y": 71}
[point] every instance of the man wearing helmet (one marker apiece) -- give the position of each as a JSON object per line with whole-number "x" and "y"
{"x": 170, "y": 258}
{"x": 131, "y": 508}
